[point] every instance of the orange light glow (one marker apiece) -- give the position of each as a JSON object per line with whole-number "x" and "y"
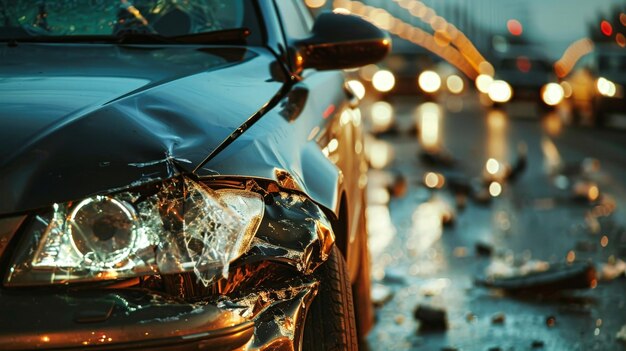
{"x": 571, "y": 256}
{"x": 429, "y": 114}
{"x": 447, "y": 42}
{"x": 604, "y": 241}
{"x": 572, "y": 54}
{"x": 314, "y": 4}
{"x": 620, "y": 39}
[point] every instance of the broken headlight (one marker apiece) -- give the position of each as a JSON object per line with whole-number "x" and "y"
{"x": 177, "y": 226}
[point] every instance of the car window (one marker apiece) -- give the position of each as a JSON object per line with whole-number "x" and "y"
{"x": 296, "y": 22}
{"x": 115, "y": 17}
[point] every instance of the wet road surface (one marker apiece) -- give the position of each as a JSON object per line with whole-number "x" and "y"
{"x": 433, "y": 235}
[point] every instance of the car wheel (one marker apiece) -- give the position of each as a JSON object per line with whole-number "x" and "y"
{"x": 330, "y": 323}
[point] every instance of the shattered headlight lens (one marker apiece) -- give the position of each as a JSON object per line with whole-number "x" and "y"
{"x": 178, "y": 226}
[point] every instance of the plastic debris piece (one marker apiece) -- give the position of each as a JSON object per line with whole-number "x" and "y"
{"x": 431, "y": 318}
{"x": 621, "y": 334}
{"x": 537, "y": 344}
{"x": 578, "y": 275}
{"x": 483, "y": 249}
{"x": 551, "y": 321}
{"x": 498, "y": 318}
{"x": 612, "y": 270}
{"x": 586, "y": 191}
{"x": 399, "y": 186}
{"x": 381, "y": 294}
{"x": 470, "y": 317}
{"x": 437, "y": 158}
{"x": 399, "y": 319}
{"x": 460, "y": 251}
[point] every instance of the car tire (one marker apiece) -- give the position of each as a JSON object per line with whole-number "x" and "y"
{"x": 330, "y": 323}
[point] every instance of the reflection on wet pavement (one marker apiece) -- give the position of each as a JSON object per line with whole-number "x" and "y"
{"x": 508, "y": 233}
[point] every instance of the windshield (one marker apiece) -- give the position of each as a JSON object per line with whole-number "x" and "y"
{"x": 69, "y": 18}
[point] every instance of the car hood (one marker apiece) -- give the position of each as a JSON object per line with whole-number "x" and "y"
{"x": 77, "y": 120}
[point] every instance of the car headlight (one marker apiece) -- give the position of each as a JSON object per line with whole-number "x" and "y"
{"x": 174, "y": 227}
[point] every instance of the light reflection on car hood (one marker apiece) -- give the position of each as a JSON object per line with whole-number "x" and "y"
{"x": 82, "y": 119}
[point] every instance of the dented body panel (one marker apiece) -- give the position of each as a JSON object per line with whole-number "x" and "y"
{"x": 125, "y": 116}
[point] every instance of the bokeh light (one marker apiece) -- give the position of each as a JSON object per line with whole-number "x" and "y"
{"x": 515, "y": 27}
{"x": 357, "y": 87}
{"x": 492, "y": 166}
{"x": 429, "y": 81}
{"x": 483, "y": 82}
{"x": 434, "y": 180}
{"x": 495, "y": 189}
{"x": 314, "y": 4}
{"x": 552, "y": 94}
{"x": 567, "y": 89}
{"x": 620, "y": 39}
{"x": 500, "y": 91}
{"x": 382, "y": 116}
{"x": 455, "y": 84}
{"x": 383, "y": 81}
{"x": 606, "y": 28}
{"x": 606, "y": 87}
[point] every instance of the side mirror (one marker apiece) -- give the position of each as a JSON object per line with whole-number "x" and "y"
{"x": 341, "y": 41}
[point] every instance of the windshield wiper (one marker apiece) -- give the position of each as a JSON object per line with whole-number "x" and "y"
{"x": 228, "y": 36}
{"x": 234, "y": 36}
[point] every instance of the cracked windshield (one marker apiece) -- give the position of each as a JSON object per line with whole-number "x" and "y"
{"x": 108, "y": 17}
{"x": 497, "y": 190}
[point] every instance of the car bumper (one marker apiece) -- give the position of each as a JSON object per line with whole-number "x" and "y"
{"x": 140, "y": 320}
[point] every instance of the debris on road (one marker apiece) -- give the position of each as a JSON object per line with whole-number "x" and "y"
{"x": 439, "y": 157}
{"x": 446, "y": 211}
{"x": 551, "y": 321}
{"x": 578, "y": 275}
{"x": 520, "y": 164}
{"x": 460, "y": 252}
{"x": 586, "y": 190}
{"x": 621, "y": 334}
{"x": 498, "y": 318}
{"x": 381, "y": 294}
{"x": 612, "y": 270}
{"x": 431, "y": 318}
{"x": 483, "y": 249}
{"x": 537, "y": 344}
{"x": 398, "y": 186}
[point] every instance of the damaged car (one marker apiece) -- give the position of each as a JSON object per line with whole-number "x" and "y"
{"x": 182, "y": 175}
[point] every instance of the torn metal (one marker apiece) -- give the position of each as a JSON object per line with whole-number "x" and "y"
{"x": 278, "y": 313}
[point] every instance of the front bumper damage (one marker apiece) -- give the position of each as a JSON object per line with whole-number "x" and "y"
{"x": 260, "y": 305}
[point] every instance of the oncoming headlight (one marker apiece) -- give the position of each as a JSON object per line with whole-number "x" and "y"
{"x": 177, "y": 226}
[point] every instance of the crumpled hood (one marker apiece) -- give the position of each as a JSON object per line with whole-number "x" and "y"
{"x": 76, "y": 120}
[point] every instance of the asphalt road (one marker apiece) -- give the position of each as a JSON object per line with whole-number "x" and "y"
{"x": 563, "y": 207}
